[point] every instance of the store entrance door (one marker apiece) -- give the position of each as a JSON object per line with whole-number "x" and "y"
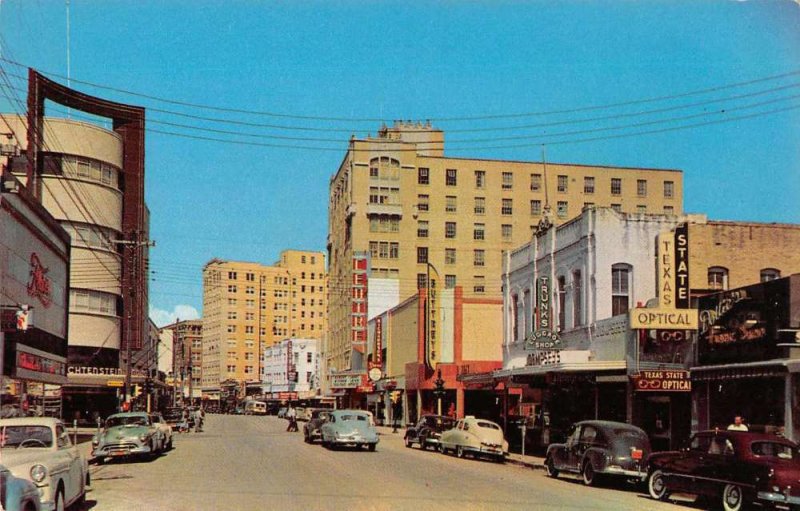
{"x": 657, "y": 415}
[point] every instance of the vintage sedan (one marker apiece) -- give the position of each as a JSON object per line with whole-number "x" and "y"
{"x": 478, "y": 437}
{"x": 349, "y": 428}
{"x": 126, "y": 434}
{"x": 40, "y": 450}
{"x": 17, "y": 494}
{"x": 427, "y": 431}
{"x": 165, "y": 428}
{"x": 311, "y": 429}
{"x": 738, "y": 467}
{"x": 595, "y": 449}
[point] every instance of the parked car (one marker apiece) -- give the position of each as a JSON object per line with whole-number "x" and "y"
{"x": 596, "y": 449}
{"x": 311, "y": 429}
{"x": 165, "y": 428}
{"x": 427, "y": 431}
{"x": 478, "y": 437}
{"x": 18, "y": 494}
{"x": 738, "y": 467}
{"x": 173, "y": 416}
{"x": 40, "y": 450}
{"x": 349, "y": 427}
{"x": 252, "y": 407}
{"x": 126, "y": 434}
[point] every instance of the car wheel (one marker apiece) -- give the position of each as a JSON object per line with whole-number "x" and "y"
{"x": 550, "y": 468}
{"x": 442, "y": 449}
{"x": 732, "y": 498}
{"x": 59, "y": 500}
{"x": 656, "y": 486}
{"x": 409, "y": 443}
{"x": 589, "y": 477}
{"x": 459, "y": 451}
{"x": 372, "y": 447}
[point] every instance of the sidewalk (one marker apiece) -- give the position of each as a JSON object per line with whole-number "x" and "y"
{"x": 535, "y": 462}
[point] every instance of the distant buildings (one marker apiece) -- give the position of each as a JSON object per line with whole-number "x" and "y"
{"x": 289, "y": 369}
{"x": 186, "y": 350}
{"x": 248, "y": 307}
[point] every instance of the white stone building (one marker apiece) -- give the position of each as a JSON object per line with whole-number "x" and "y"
{"x": 291, "y": 365}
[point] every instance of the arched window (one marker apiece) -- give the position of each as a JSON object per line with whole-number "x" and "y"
{"x": 768, "y": 274}
{"x": 562, "y": 303}
{"x": 620, "y": 288}
{"x": 717, "y": 278}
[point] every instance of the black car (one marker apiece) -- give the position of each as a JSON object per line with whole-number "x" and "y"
{"x": 427, "y": 431}
{"x": 311, "y": 428}
{"x": 600, "y": 448}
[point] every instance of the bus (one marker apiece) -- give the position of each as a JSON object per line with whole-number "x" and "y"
{"x": 253, "y": 407}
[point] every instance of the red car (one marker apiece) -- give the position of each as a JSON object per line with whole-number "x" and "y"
{"x": 740, "y": 468}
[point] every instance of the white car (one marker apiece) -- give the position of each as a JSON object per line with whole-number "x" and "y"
{"x": 40, "y": 450}
{"x": 165, "y": 429}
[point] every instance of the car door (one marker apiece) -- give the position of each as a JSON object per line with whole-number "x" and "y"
{"x": 68, "y": 452}
{"x": 572, "y": 451}
{"x": 689, "y": 470}
{"x": 718, "y": 464}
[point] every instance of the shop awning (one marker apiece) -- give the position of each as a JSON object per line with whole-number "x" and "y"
{"x": 761, "y": 369}
{"x": 543, "y": 370}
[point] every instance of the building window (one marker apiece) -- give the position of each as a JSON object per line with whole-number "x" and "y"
{"x": 577, "y": 299}
{"x": 423, "y": 176}
{"x": 562, "y": 303}
{"x": 616, "y": 186}
{"x": 562, "y": 184}
{"x": 507, "y": 207}
{"x": 506, "y": 230}
{"x": 536, "y": 182}
{"x": 450, "y": 230}
{"x": 480, "y": 179}
{"x": 620, "y": 288}
{"x": 669, "y": 189}
{"x": 717, "y": 278}
{"x": 422, "y": 229}
{"x": 450, "y": 204}
{"x": 588, "y": 184}
{"x": 422, "y": 255}
{"x": 480, "y": 205}
{"x": 479, "y": 258}
{"x": 641, "y": 208}
{"x": 669, "y": 210}
{"x": 641, "y": 187}
{"x": 449, "y": 256}
{"x": 479, "y": 286}
{"x": 508, "y": 180}
{"x": 422, "y": 202}
{"x": 232, "y": 288}
{"x": 478, "y": 233}
{"x": 450, "y": 177}
{"x": 422, "y": 280}
{"x": 231, "y": 275}
{"x": 536, "y": 207}
{"x": 449, "y": 281}
{"x": 617, "y": 207}
{"x": 768, "y": 274}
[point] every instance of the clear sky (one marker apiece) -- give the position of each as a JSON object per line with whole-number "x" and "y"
{"x": 737, "y": 139}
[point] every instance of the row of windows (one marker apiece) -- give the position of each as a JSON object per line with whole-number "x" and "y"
{"x": 86, "y": 300}
{"x": 562, "y": 183}
{"x": 93, "y": 236}
{"x": 92, "y": 170}
{"x": 479, "y": 282}
{"x": 478, "y": 256}
{"x": 479, "y": 230}
{"x": 718, "y": 276}
{"x": 247, "y": 369}
{"x": 507, "y": 207}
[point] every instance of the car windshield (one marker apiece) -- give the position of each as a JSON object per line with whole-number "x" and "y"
{"x": 774, "y": 450}
{"x": 353, "y": 417}
{"x": 26, "y": 436}
{"x": 135, "y": 420}
{"x": 629, "y": 433}
{"x": 487, "y": 425}
{"x": 439, "y": 422}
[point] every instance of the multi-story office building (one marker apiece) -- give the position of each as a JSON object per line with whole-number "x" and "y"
{"x": 249, "y": 306}
{"x": 292, "y": 366}
{"x": 397, "y": 200}
{"x": 91, "y": 180}
{"x": 187, "y": 356}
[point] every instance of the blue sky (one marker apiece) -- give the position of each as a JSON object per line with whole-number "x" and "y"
{"x": 419, "y": 60}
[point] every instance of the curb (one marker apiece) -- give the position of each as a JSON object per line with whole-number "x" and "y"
{"x": 536, "y": 465}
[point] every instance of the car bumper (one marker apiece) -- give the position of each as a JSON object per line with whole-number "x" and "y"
{"x": 778, "y": 500}
{"x": 493, "y": 451}
{"x": 114, "y": 452}
{"x": 354, "y": 441}
{"x": 620, "y": 471}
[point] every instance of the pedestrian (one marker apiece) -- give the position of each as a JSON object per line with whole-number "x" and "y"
{"x": 291, "y": 414}
{"x": 738, "y": 424}
{"x": 183, "y": 426}
{"x": 198, "y": 420}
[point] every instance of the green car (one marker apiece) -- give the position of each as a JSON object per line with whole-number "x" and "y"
{"x": 127, "y": 434}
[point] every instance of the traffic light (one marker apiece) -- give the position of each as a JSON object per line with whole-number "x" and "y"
{"x": 148, "y": 386}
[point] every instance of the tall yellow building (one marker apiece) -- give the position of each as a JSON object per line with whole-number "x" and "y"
{"x": 398, "y": 200}
{"x": 249, "y": 306}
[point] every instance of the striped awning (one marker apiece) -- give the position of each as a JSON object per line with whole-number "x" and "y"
{"x": 761, "y": 369}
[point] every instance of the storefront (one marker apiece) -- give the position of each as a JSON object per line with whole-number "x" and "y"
{"x": 34, "y": 270}
{"x": 749, "y": 357}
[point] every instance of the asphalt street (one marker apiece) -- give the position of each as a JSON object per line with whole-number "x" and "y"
{"x": 252, "y": 463}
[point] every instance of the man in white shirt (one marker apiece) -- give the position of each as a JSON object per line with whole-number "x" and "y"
{"x": 738, "y": 424}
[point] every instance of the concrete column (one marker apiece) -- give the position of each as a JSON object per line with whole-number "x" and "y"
{"x": 788, "y": 408}
{"x": 419, "y": 403}
{"x": 630, "y": 395}
{"x": 460, "y": 402}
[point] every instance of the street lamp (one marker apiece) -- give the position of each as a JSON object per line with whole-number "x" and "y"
{"x": 438, "y": 391}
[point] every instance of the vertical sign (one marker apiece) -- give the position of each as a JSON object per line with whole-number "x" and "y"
{"x": 432, "y": 302}
{"x": 682, "y": 266}
{"x": 666, "y": 270}
{"x": 358, "y": 295}
{"x": 543, "y": 302}
{"x": 291, "y": 370}
{"x": 378, "y": 358}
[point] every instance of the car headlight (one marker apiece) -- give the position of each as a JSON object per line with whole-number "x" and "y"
{"x": 38, "y": 473}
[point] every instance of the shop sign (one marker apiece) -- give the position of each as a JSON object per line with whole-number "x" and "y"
{"x": 377, "y": 356}
{"x": 115, "y": 383}
{"x": 543, "y": 358}
{"x": 663, "y": 319}
{"x": 366, "y": 389}
{"x": 358, "y": 295}
{"x": 39, "y": 285}
{"x": 37, "y": 365}
{"x": 666, "y": 270}
{"x": 543, "y": 336}
{"x": 103, "y": 371}
{"x": 432, "y": 312}
{"x": 662, "y": 381}
{"x": 345, "y": 381}
{"x": 682, "y": 266}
